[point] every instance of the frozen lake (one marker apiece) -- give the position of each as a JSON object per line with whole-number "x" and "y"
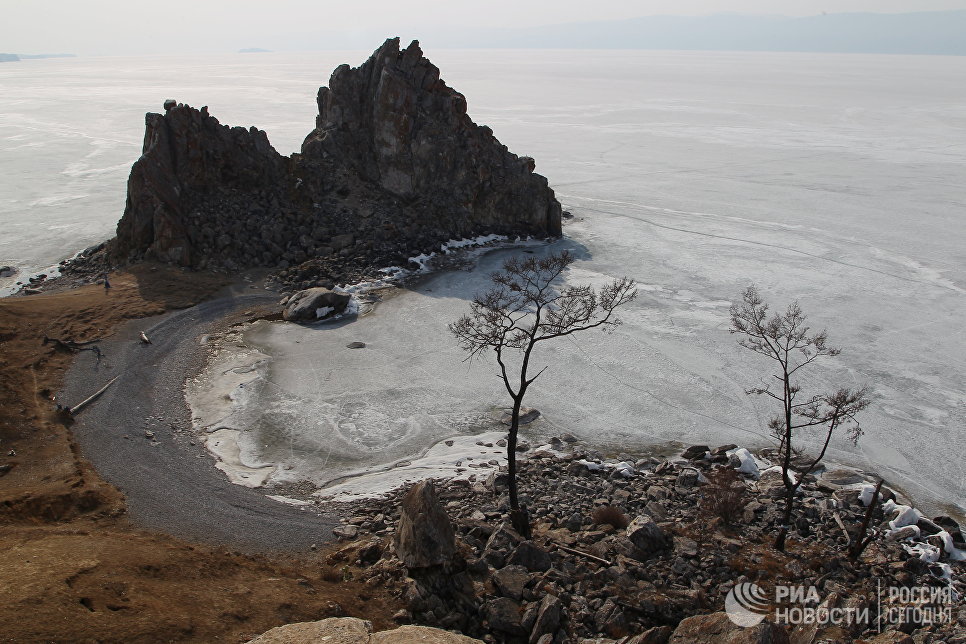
{"x": 834, "y": 180}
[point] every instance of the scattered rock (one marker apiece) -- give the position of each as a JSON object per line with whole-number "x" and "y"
{"x": 548, "y": 618}
{"x": 356, "y": 345}
{"x": 511, "y": 580}
{"x": 346, "y": 532}
{"x": 717, "y": 628}
{"x": 530, "y": 556}
{"x": 695, "y": 451}
{"x": 503, "y": 614}
{"x": 647, "y": 536}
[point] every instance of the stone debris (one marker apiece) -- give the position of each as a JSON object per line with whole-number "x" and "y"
{"x": 665, "y": 577}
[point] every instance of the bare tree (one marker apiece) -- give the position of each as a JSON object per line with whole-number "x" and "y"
{"x": 525, "y": 307}
{"x": 786, "y": 340}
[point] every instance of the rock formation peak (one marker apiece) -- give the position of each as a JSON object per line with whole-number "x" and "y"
{"x": 394, "y": 166}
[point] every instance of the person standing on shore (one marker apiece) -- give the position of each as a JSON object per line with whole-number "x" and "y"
{"x": 107, "y": 283}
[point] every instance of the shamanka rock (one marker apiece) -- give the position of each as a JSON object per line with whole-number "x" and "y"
{"x": 394, "y": 167}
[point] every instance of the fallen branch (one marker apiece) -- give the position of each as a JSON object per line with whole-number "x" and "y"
{"x": 838, "y": 520}
{"x": 84, "y": 403}
{"x": 581, "y": 553}
{"x": 74, "y": 347}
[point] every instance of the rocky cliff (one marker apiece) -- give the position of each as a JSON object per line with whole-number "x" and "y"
{"x": 394, "y": 166}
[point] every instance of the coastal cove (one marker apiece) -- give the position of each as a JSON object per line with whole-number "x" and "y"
{"x": 694, "y": 185}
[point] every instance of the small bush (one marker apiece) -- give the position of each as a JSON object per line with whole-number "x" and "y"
{"x": 724, "y": 496}
{"x": 610, "y": 515}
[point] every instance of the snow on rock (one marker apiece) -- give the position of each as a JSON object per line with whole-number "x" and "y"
{"x": 906, "y": 515}
{"x": 590, "y": 465}
{"x": 747, "y": 463}
{"x": 905, "y": 532}
{"x": 955, "y": 554}
{"x": 926, "y": 552}
{"x": 314, "y": 304}
{"x": 624, "y": 469}
{"x": 865, "y": 496}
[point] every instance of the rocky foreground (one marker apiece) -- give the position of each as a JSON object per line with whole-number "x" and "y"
{"x": 394, "y": 167}
{"x": 648, "y": 551}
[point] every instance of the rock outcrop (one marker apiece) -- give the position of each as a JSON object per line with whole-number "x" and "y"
{"x": 314, "y": 304}
{"x": 394, "y": 167}
{"x": 425, "y": 537}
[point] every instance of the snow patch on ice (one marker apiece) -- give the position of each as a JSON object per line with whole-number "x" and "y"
{"x": 458, "y": 457}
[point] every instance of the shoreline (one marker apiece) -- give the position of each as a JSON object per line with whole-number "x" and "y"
{"x": 160, "y": 368}
{"x": 61, "y": 520}
{"x": 144, "y": 421}
{"x": 192, "y": 366}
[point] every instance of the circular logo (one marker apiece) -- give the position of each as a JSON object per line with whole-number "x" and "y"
{"x": 747, "y": 604}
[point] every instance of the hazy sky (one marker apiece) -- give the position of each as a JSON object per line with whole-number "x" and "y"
{"x": 104, "y": 27}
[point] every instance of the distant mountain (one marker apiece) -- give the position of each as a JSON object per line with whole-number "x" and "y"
{"x": 9, "y": 58}
{"x": 33, "y": 56}
{"x": 935, "y": 32}
{"x": 254, "y": 50}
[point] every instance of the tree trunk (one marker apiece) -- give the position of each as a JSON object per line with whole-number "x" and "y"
{"x": 786, "y": 520}
{"x": 519, "y": 517}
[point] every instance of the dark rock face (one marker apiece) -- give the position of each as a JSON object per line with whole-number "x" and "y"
{"x": 425, "y": 537}
{"x": 394, "y": 167}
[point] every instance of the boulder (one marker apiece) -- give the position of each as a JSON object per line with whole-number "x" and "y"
{"x": 721, "y": 450}
{"x": 503, "y": 614}
{"x": 7, "y": 271}
{"x": 717, "y": 628}
{"x": 499, "y": 544}
{"x": 950, "y": 525}
{"x": 548, "y": 618}
{"x": 314, "y": 304}
{"x": 350, "y": 630}
{"x": 511, "y": 580}
{"x": 425, "y": 535}
{"x": 610, "y": 619}
{"x": 695, "y": 452}
{"x": 335, "y": 630}
{"x": 647, "y": 536}
{"x": 417, "y": 634}
{"x": 530, "y": 556}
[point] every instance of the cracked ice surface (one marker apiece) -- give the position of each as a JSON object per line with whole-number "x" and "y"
{"x": 820, "y": 180}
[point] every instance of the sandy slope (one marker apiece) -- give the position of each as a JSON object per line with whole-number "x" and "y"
{"x": 74, "y": 566}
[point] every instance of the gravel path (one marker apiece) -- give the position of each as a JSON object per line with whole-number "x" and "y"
{"x": 170, "y": 484}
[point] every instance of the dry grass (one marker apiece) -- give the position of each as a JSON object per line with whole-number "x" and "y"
{"x": 611, "y": 515}
{"x": 724, "y": 496}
